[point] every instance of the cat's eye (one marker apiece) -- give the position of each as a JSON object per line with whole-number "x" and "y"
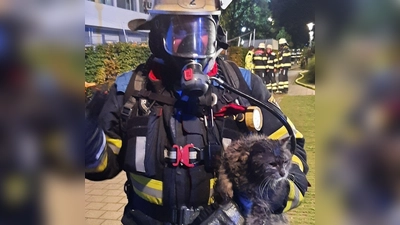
{"x": 273, "y": 164}
{"x": 286, "y": 161}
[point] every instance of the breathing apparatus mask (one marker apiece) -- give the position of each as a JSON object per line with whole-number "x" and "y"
{"x": 191, "y": 43}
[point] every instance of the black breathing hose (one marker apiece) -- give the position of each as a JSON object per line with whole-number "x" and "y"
{"x": 270, "y": 107}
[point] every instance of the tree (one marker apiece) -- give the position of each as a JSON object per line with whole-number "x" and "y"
{"x": 294, "y": 15}
{"x": 252, "y": 14}
{"x": 283, "y": 34}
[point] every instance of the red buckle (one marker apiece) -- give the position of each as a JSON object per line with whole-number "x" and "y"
{"x": 182, "y": 155}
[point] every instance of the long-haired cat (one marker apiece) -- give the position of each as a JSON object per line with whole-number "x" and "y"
{"x": 251, "y": 169}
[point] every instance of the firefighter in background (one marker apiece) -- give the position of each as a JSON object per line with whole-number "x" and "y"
{"x": 272, "y": 62}
{"x": 284, "y": 65}
{"x": 260, "y": 62}
{"x": 294, "y": 57}
{"x": 249, "y": 59}
{"x": 298, "y": 56}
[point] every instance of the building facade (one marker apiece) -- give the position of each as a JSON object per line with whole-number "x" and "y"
{"x": 256, "y": 42}
{"x": 106, "y": 21}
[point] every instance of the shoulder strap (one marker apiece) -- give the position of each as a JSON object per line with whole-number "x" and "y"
{"x": 241, "y": 84}
{"x": 136, "y": 83}
{"x": 234, "y": 77}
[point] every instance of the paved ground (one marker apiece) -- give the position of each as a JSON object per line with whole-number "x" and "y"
{"x": 105, "y": 200}
{"x": 295, "y": 89}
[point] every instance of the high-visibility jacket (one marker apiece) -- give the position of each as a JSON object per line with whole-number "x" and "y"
{"x": 298, "y": 55}
{"x": 272, "y": 61}
{"x": 249, "y": 60}
{"x": 284, "y": 58}
{"x": 260, "y": 60}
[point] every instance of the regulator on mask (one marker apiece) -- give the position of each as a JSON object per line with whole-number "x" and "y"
{"x": 194, "y": 82}
{"x": 191, "y": 40}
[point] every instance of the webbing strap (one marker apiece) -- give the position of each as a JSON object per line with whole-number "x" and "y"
{"x": 153, "y": 96}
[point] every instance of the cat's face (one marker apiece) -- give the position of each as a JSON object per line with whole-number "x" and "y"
{"x": 269, "y": 159}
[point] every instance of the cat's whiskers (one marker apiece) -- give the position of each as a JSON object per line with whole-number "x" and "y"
{"x": 262, "y": 187}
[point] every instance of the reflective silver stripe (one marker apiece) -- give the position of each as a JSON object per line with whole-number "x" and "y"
{"x": 147, "y": 190}
{"x": 172, "y": 155}
{"x": 296, "y": 200}
{"x": 102, "y": 147}
{"x": 140, "y": 154}
{"x": 226, "y": 142}
{"x": 114, "y": 148}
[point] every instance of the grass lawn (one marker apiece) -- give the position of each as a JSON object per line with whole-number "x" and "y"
{"x": 301, "y": 111}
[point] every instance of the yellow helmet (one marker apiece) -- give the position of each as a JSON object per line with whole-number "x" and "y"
{"x": 261, "y": 45}
{"x": 282, "y": 41}
{"x": 269, "y": 46}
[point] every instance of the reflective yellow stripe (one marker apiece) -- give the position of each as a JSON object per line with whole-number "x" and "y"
{"x": 259, "y": 67}
{"x": 115, "y": 144}
{"x": 295, "y": 197}
{"x": 147, "y": 188}
{"x": 296, "y": 160}
{"x": 278, "y": 134}
{"x": 151, "y": 183}
{"x": 286, "y": 54}
{"x": 282, "y": 132}
{"x": 101, "y": 167}
{"x": 212, "y": 184}
{"x": 257, "y": 58}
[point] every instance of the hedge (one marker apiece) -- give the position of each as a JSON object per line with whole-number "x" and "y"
{"x": 310, "y": 75}
{"x": 237, "y": 54}
{"x": 104, "y": 62}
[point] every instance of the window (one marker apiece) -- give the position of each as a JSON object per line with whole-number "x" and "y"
{"x": 127, "y": 4}
{"x": 106, "y": 2}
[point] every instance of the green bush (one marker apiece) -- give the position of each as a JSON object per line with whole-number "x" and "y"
{"x": 237, "y": 54}
{"x": 310, "y": 75}
{"x": 107, "y": 61}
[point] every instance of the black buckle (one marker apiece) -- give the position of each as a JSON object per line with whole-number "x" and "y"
{"x": 126, "y": 112}
{"x": 187, "y": 216}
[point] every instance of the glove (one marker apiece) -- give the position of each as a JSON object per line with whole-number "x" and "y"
{"x": 226, "y": 214}
{"x": 94, "y": 137}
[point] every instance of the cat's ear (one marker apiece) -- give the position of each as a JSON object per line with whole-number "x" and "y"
{"x": 257, "y": 147}
{"x": 286, "y": 141}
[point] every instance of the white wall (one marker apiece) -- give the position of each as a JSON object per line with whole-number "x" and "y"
{"x": 100, "y": 15}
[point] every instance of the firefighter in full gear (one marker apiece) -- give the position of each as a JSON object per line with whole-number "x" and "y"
{"x": 165, "y": 124}
{"x": 272, "y": 62}
{"x": 249, "y": 59}
{"x": 294, "y": 57}
{"x": 298, "y": 56}
{"x": 284, "y": 65}
{"x": 260, "y": 62}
